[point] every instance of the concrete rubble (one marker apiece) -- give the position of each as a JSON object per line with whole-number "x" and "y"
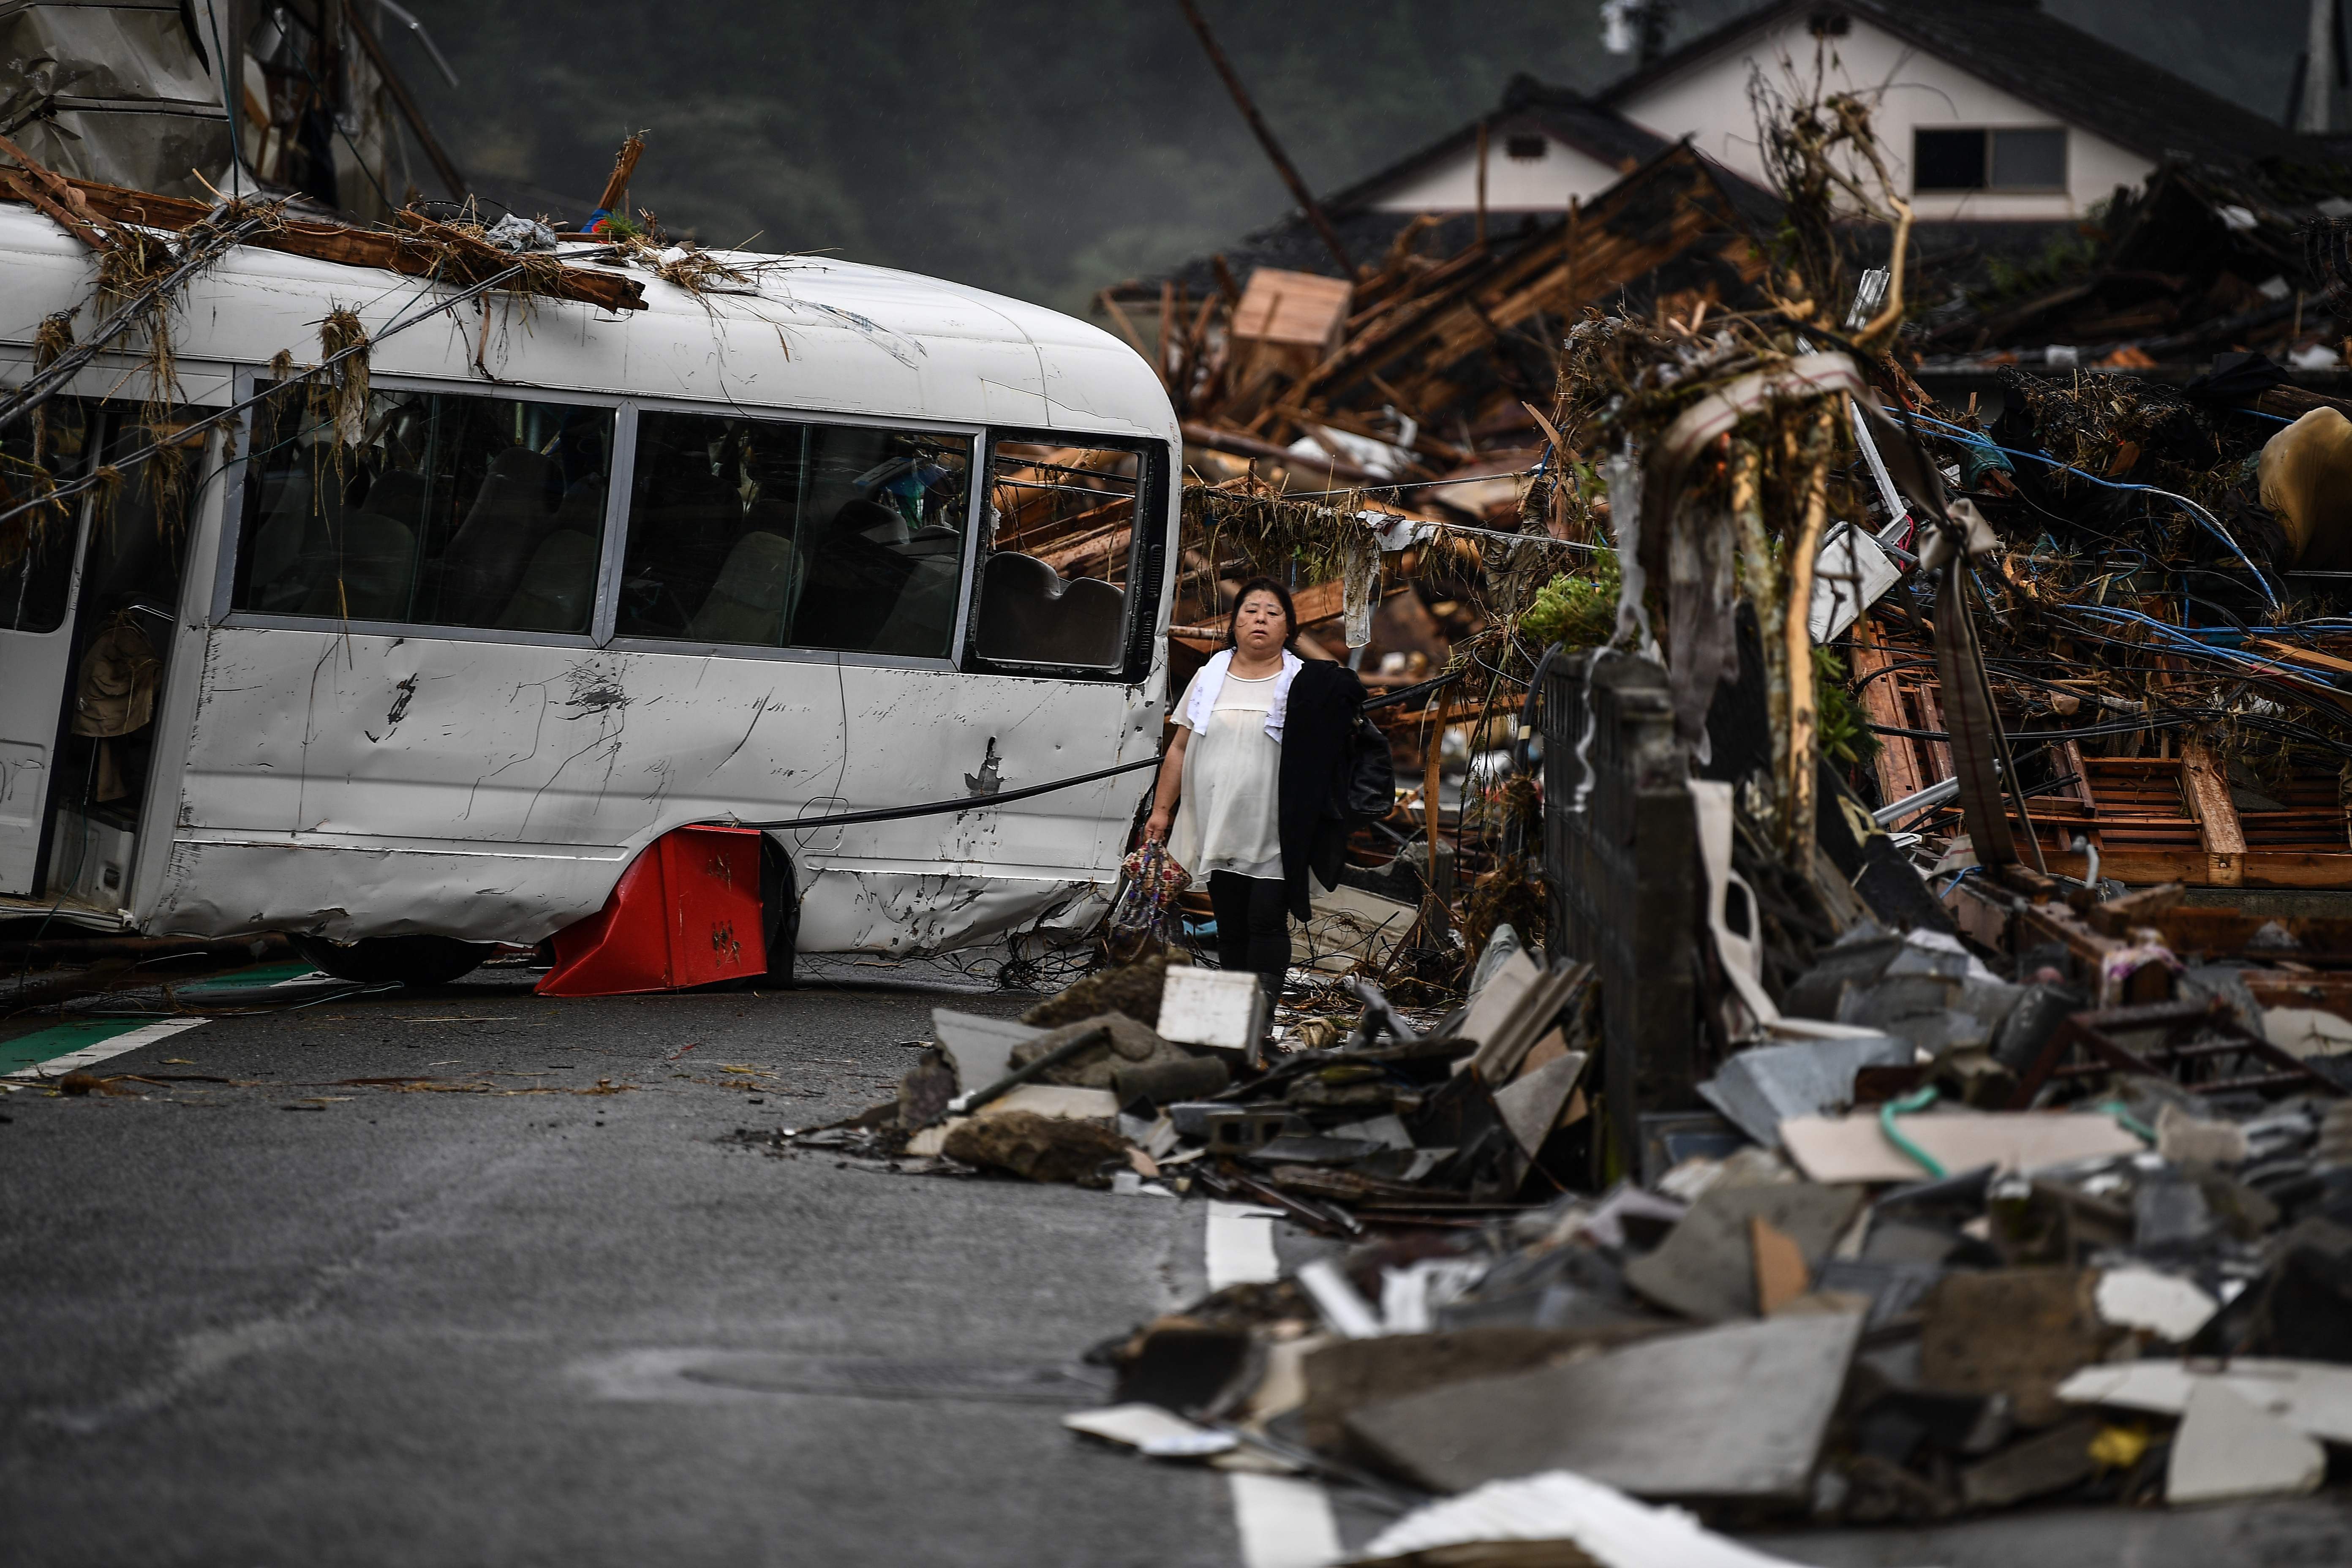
{"x": 1894, "y": 1309}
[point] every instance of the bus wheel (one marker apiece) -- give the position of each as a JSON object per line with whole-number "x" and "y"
{"x": 409, "y": 960}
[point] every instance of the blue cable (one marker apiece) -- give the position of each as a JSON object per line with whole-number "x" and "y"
{"x": 2221, "y": 651}
{"x": 1976, "y": 438}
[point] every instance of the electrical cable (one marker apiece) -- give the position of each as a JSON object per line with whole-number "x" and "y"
{"x": 1976, "y": 438}
{"x": 180, "y": 437}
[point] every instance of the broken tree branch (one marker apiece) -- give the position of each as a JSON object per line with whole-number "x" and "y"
{"x": 1265, "y": 134}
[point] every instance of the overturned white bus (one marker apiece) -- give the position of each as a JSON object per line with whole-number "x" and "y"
{"x": 568, "y": 580}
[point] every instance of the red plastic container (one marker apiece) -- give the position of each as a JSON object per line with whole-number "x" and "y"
{"x": 685, "y": 912}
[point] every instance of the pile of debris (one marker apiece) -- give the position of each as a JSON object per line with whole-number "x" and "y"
{"x": 2202, "y": 259}
{"x": 1164, "y": 1078}
{"x": 1961, "y": 1242}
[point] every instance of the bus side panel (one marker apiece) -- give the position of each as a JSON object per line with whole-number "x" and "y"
{"x": 374, "y": 785}
{"x": 350, "y": 755}
{"x": 303, "y": 732}
{"x": 916, "y": 735}
{"x": 844, "y": 909}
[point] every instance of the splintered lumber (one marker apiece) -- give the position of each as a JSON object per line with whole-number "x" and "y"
{"x": 616, "y": 187}
{"x": 431, "y": 253}
{"x": 1673, "y": 205}
{"x": 1303, "y": 310}
{"x": 52, "y": 193}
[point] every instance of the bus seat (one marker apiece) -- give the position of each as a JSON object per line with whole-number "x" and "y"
{"x": 377, "y": 559}
{"x": 924, "y": 618}
{"x": 398, "y": 495}
{"x": 559, "y": 586}
{"x": 484, "y": 558}
{"x": 1029, "y": 613}
{"x": 583, "y": 507}
{"x": 747, "y": 604}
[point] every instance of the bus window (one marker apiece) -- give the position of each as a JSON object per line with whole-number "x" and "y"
{"x": 775, "y": 534}
{"x": 36, "y": 547}
{"x": 1052, "y": 587}
{"x": 454, "y": 511}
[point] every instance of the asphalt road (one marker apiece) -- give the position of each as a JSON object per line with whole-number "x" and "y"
{"x": 295, "y": 1320}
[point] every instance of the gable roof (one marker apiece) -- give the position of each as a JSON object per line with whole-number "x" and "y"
{"x": 2015, "y": 46}
{"x": 1565, "y": 115}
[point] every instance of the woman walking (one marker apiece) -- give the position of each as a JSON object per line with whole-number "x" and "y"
{"x": 1252, "y": 791}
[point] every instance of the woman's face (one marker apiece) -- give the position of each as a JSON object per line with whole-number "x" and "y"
{"x": 1260, "y": 626}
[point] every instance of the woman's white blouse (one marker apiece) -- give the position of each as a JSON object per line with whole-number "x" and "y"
{"x": 1228, "y": 818}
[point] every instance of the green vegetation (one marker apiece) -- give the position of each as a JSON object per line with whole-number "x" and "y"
{"x": 1845, "y": 730}
{"x": 1575, "y": 610}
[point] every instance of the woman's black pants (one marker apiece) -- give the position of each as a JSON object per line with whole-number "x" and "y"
{"x": 1253, "y": 926}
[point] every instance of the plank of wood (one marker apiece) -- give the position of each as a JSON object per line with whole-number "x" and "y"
{"x": 408, "y": 255}
{"x": 1111, "y": 546}
{"x": 2205, "y": 786}
{"x": 2311, "y": 656}
{"x": 1899, "y": 764}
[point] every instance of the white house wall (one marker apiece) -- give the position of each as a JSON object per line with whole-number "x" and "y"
{"x": 1513, "y": 185}
{"x": 1708, "y": 103}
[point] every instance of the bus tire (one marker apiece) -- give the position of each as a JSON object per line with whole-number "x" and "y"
{"x": 408, "y": 960}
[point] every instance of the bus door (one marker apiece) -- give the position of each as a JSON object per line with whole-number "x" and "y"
{"x": 75, "y": 790}
{"x": 37, "y": 550}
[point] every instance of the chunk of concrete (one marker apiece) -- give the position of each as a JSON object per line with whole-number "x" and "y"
{"x": 979, "y": 1047}
{"x": 2227, "y": 1448}
{"x": 2170, "y": 1308}
{"x": 1220, "y": 1010}
{"x": 1732, "y": 1412}
{"x": 1050, "y": 1100}
{"x": 1705, "y": 1267}
{"x": 1128, "y": 1045}
{"x": 1042, "y": 1148}
{"x": 2017, "y": 1332}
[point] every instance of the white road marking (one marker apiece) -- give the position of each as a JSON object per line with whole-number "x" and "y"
{"x": 115, "y": 1046}
{"x": 1282, "y": 1521}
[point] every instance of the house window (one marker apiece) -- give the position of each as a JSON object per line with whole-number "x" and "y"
{"x": 1525, "y": 149}
{"x": 2025, "y": 159}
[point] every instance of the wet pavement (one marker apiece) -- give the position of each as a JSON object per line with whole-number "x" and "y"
{"x": 534, "y": 1305}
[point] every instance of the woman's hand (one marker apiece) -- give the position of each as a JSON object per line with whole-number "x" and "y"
{"x": 1170, "y": 788}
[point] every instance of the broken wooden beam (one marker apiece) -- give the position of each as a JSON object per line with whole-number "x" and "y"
{"x": 413, "y": 255}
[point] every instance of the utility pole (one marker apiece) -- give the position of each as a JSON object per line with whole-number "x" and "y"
{"x": 2321, "y": 69}
{"x": 1298, "y": 191}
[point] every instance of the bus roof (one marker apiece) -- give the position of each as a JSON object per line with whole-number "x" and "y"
{"x": 810, "y": 333}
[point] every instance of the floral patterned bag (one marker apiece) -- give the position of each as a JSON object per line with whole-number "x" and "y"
{"x": 1149, "y": 881}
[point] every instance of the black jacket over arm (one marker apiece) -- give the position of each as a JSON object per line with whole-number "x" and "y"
{"x": 1326, "y": 698}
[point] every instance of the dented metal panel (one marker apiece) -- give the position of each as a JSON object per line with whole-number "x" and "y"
{"x": 495, "y": 791}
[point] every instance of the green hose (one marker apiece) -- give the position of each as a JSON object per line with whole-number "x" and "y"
{"x": 2126, "y": 1119}
{"x": 1917, "y": 1100}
